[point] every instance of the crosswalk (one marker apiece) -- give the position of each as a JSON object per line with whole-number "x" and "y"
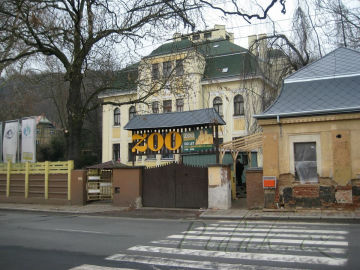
{"x": 249, "y": 245}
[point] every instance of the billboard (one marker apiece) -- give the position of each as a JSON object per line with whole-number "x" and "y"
{"x": 10, "y": 141}
{"x": 28, "y": 140}
{"x": 198, "y": 140}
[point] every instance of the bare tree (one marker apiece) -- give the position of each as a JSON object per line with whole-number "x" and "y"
{"x": 341, "y": 23}
{"x": 76, "y": 32}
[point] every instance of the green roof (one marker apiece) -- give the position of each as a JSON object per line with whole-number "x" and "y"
{"x": 171, "y": 47}
{"x": 207, "y": 48}
{"x": 125, "y": 81}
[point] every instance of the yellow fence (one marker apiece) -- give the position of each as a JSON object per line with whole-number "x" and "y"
{"x": 43, "y": 168}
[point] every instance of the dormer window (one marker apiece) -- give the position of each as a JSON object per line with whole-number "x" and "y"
{"x": 196, "y": 36}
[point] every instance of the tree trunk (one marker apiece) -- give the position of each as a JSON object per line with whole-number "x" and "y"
{"x": 75, "y": 118}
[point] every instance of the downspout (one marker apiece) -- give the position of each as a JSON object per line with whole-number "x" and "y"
{"x": 280, "y": 126}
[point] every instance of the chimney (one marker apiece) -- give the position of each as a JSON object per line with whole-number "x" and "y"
{"x": 262, "y": 46}
{"x": 252, "y": 48}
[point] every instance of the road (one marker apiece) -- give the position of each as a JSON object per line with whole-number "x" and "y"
{"x": 31, "y": 240}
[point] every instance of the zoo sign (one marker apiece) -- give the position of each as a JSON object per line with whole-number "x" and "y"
{"x": 143, "y": 141}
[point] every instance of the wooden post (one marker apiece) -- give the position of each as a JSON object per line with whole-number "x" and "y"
{"x": 70, "y": 168}
{"x": 217, "y": 144}
{"x": 27, "y": 171}
{"x": 46, "y": 188}
{"x": 132, "y": 153}
{"x": 8, "y": 174}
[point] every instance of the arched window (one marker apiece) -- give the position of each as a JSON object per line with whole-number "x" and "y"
{"x": 238, "y": 105}
{"x": 217, "y": 104}
{"x": 117, "y": 117}
{"x": 132, "y": 112}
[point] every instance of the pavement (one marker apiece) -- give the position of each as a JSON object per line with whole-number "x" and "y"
{"x": 107, "y": 209}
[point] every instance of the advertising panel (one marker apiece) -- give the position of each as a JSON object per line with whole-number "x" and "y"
{"x": 28, "y": 142}
{"x": 198, "y": 140}
{"x": 10, "y": 141}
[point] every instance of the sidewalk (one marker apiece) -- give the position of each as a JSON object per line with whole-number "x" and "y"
{"x": 106, "y": 209}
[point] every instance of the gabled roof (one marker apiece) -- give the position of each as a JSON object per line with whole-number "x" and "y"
{"x": 326, "y": 86}
{"x": 175, "y": 119}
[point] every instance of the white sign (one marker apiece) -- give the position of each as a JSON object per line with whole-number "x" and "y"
{"x": 10, "y": 141}
{"x": 28, "y": 142}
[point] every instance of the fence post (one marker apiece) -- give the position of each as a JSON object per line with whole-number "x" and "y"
{"x": 27, "y": 170}
{"x": 46, "y": 180}
{"x": 70, "y": 168}
{"x": 8, "y": 173}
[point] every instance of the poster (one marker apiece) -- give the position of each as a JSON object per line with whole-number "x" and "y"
{"x": 198, "y": 140}
{"x": 10, "y": 141}
{"x": 28, "y": 142}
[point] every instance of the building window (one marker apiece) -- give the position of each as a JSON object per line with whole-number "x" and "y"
{"x": 305, "y": 161}
{"x": 196, "y": 36}
{"x": 116, "y": 152}
{"x": 166, "y": 69}
{"x": 180, "y": 105}
{"x": 207, "y": 35}
{"x": 155, "y": 71}
{"x": 167, "y": 104}
{"x": 155, "y": 106}
{"x": 217, "y": 104}
{"x": 132, "y": 112}
{"x": 117, "y": 117}
{"x": 179, "y": 68}
{"x": 238, "y": 105}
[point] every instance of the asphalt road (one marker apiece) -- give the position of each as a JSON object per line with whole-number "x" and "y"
{"x": 54, "y": 241}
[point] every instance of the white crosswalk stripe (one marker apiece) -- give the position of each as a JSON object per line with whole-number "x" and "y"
{"x": 231, "y": 245}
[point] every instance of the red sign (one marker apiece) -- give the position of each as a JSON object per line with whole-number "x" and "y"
{"x": 269, "y": 181}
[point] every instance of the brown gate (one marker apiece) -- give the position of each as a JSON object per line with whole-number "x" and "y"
{"x": 175, "y": 186}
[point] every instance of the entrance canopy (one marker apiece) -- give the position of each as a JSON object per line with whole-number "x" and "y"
{"x": 176, "y": 132}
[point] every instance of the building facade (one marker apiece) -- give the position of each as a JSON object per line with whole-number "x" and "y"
{"x": 312, "y": 135}
{"x": 196, "y": 71}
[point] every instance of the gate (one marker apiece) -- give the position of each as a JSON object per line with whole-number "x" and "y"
{"x": 175, "y": 186}
{"x": 99, "y": 187}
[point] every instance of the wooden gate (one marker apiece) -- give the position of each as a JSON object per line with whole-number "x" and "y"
{"x": 175, "y": 186}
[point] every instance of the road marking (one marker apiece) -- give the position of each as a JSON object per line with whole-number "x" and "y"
{"x": 244, "y": 256}
{"x": 235, "y": 229}
{"x": 244, "y": 221}
{"x": 78, "y": 231}
{"x": 95, "y": 267}
{"x": 250, "y": 246}
{"x": 301, "y": 242}
{"x": 189, "y": 263}
{"x": 265, "y": 234}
